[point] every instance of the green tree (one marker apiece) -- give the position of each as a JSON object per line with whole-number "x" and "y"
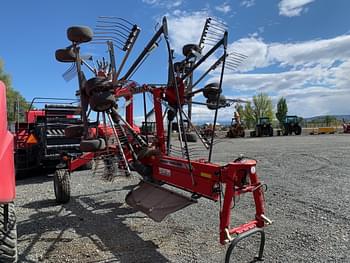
{"x": 12, "y": 96}
{"x": 282, "y": 110}
{"x": 248, "y": 115}
{"x": 328, "y": 119}
{"x": 261, "y": 107}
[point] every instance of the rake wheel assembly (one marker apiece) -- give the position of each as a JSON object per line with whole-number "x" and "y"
{"x": 153, "y": 155}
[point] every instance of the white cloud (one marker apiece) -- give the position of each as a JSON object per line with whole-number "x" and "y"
{"x": 150, "y": 2}
{"x": 185, "y": 28}
{"x": 224, "y": 8}
{"x": 164, "y": 3}
{"x": 255, "y": 50}
{"x": 315, "y": 75}
{"x": 292, "y": 7}
{"x": 324, "y": 51}
{"x": 302, "y": 54}
{"x": 248, "y": 3}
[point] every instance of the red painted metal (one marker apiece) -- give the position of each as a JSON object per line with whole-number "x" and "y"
{"x": 32, "y": 115}
{"x": 74, "y": 164}
{"x": 207, "y": 179}
{"x": 157, "y": 100}
{"x": 129, "y": 110}
{"x": 7, "y": 173}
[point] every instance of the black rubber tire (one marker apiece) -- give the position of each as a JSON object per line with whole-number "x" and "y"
{"x": 79, "y": 34}
{"x": 74, "y": 131}
{"x": 8, "y": 237}
{"x": 253, "y": 134}
{"x": 259, "y": 132}
{"x": 187, "y": 50}
{"x": 96, "y": 84}
{"x": 271, "y": 131}
{"x": 212, "y": 91}
{"x": 242, "y": 135}
{"x": 211, "y": 104}
{"x": 178, "y": 67}
{"x": 297, "y": 130}
{"x": 93, "y": 145}
{"x": 147, "y": 152}
{"x": 102, "y": 101}
{"x": 61, "y": 184}
{"x": 191, "y": 137}
{"x": 65, "y": 55}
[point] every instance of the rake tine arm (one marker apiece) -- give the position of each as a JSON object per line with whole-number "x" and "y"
{"x": 134, "y": 35}
{"x": 116, "y": 18}
{"x": 113, "y": 24}
{"x": 145, "y": 51}
{"x": 211, "y": 51}
{"x": 212, "y": 67}
{"x": 110, "y": 31}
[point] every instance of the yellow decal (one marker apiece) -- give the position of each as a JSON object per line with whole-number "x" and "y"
{"x": 206, "y": 175}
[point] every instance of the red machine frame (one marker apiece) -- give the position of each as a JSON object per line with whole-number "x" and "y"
{"x": 7, "y": 175}
{"x": 200, "y": 177}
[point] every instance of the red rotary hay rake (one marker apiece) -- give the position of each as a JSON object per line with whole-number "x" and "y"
{"x": 158, "y": 161}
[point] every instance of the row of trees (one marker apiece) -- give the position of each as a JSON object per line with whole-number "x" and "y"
{"x": 261, "y": 106}
{"x": 12, "y": 96}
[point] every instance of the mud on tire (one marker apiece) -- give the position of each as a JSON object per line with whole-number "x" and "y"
{"x": 8, "y": 237}
{"x": 61, "y": 181}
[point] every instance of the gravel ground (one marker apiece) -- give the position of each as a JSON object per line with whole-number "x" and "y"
{"x": 308, "y": 197}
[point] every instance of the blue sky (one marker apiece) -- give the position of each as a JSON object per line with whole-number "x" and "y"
{"x": 299, "y": 49}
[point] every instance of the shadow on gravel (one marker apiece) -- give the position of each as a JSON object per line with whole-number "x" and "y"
{"x": 34, "y": 177}
{"x": 80, "y": 230}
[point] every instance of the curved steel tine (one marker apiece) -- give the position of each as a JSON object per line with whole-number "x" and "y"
{"x": 234, "y": 60}
{"x": 104, "y": 43}
{"x": 109, "y": 38}
{"x": 238, "y": 54}
{"x": 213, "y": 38}
{"x": 218, "y": 22}
{"x": 117, "y": 18}
{"x": 218, "y": 28}
{"x": 107, "y": 33}
{"x": 221, "y": 34}
{"x": 111, "y": 27}
{"x": 70, "y": 73}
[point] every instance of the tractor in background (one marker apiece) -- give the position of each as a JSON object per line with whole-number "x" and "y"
{"x": 291, "y": 125}
{"x": 262, "y": 128}
{"x": 8, "y": 232}
{"x": 236, "y": 129}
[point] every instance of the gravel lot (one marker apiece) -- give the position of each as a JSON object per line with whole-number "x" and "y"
{"x": 308, "y": 197}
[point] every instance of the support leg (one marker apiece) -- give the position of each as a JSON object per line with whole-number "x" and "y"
{"x": 243, "y": 236}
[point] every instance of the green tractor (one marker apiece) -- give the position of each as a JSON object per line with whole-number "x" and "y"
{"x": 291, "y": 125}
{"x": 262, "y": 128}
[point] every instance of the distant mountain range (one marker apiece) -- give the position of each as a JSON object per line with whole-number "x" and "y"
{"x": 339, "y": 117}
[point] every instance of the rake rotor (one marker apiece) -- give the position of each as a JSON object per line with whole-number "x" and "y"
{"x": 118, "y": 30}
{"x": 213, "y": 31}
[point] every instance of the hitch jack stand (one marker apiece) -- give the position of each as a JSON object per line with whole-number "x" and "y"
{"x": 244, "y": 235}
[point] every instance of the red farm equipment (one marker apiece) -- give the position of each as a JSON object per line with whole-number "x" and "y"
{"x": 8, "y": 233}
{"x": 346, "y": 127}
{"x": 40, "y": 140}
{"x": 163, "y": 161}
